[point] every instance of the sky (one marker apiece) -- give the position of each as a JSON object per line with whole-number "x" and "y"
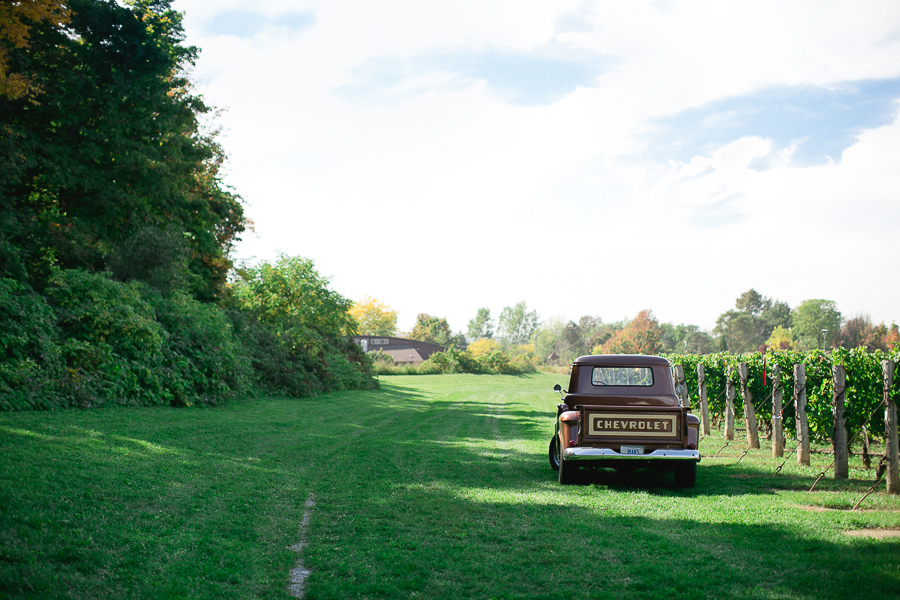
{"x": 588, "y": 158}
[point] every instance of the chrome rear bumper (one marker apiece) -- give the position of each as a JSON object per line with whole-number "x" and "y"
{"x": 609, "y": 454}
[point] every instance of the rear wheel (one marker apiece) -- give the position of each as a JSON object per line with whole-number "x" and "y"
{"x": 553, "y": 453}
{"x": 685, "y": 474}
{"x": 567, "y": 472}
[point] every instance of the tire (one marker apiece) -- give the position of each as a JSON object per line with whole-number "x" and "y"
{"x": 553, "y": 453}
{"x": 567, "y": 472}
{"x": 685, "y": 475}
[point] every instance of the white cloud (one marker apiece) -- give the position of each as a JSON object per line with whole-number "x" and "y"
{"x": 449, "y": 197}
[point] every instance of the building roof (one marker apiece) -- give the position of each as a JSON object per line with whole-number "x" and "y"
{"x": 405, "y": 355}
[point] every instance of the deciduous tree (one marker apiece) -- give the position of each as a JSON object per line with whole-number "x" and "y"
{"x": 291, "y": 296}
{"x": 114, "y": 145}
{"x": 516, "y": 324}
{"x": 482, "y": 326}
{"x": 433, "y": 330}
{"x": 781, "y": 339}
{"x": 483, "y": 347}
{"x": 16, "y": 21}
{"x": 688, "y": 339}
{"x": 641, "y": 336}
{"x": 811, "y": 318}
{"x": 746, "y": 328}
{"x": 374, "y": 317}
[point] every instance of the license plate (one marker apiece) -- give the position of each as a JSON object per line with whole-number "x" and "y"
{"x": 632, "y": 450}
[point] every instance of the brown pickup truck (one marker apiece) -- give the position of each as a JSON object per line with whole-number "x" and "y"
{"x": 621, "y": 411}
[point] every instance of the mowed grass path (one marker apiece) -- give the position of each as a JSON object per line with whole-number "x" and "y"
{"x": 432, "y": 487}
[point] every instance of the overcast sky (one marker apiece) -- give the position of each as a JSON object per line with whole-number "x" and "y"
{"x": 585, "y": 157}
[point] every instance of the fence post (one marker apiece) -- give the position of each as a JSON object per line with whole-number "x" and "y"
{"x": 749, "y": 411}
{"x": 729, "y": 405}
{"x": 680, "y": 380}
{"x": 841, "y": 455}
{"x": 704, "y": 407}
{"x": 890, "y": 430}
{"x": 802, "y": 424}
{"x": 777, "y": 417}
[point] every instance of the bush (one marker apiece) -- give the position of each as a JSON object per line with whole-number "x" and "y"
{"x": 31, "y": 364}
{"x": 202, "y": 355}
{"x": 92, "y": 340}
{"x": 94, "y": 309}
{"x": 454, "y": 360}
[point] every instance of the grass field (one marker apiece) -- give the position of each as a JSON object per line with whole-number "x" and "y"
{"x": 432, "y": 487}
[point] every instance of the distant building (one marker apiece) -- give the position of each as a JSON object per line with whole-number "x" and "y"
{"x": 403, "y": 351}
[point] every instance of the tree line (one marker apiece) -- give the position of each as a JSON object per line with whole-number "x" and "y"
{"x": 756, "y": 323}
{"x": 116, "y": 229}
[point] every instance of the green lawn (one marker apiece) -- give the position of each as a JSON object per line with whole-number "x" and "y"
{"x": 432, "y": 487}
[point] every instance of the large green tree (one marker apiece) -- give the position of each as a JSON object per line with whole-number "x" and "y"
{"x": 433, "y": 330}
{"x": 749, "y": 326}
{"x": 816, "y": 323}
{"x": 688, "y": 339}
{"x": 482, "y": 326}
{"x": 516, "y": 324}
{"x": 111, "y": 145}
{"x": 291, "y": 297}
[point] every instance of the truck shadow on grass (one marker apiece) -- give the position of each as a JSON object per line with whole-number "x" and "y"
{"x": 727, "y": 480}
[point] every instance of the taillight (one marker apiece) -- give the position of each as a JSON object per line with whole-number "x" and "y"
{"x": 572, "y": 443}
{"x": 692, "y": 446}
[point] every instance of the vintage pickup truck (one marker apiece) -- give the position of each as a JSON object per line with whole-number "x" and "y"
{"x": 621, "y": 411}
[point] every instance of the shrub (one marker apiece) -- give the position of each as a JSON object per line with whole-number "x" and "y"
{"x": 201, "y": 351}
{"x": 92, "y": 308}
{"x": 31, "y": 364}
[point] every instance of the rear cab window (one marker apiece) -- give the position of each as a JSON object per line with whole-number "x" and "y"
{"x": 622, "y": 376}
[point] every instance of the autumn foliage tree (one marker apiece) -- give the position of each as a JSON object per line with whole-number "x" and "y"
{"x": 641, "y": 336}
{"x": 860, "y": 331}
{"x": 16, "y": 20}
{"x": 374, "y": 317}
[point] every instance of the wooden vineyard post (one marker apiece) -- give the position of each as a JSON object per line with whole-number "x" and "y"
{"x": 749, "y": 411}
{"x": 680, "y": 380}
{"x": 841, "y": 456}
{"x": 890, "y": 430}
{"x": 777, "y": 417}
{"x": 802, "y": 424}
{"x": 729, "y": 406}
{"x": 704, "y": 407}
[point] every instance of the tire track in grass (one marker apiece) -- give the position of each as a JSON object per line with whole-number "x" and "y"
{"x": 299, "y": 573}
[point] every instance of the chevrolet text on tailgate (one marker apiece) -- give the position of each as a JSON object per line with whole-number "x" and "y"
{"x": 621, "y": 411}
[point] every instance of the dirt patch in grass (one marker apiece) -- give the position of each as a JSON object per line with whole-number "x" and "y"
{"x": 877, "y": 534}
{"x": 821, "y": 509}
